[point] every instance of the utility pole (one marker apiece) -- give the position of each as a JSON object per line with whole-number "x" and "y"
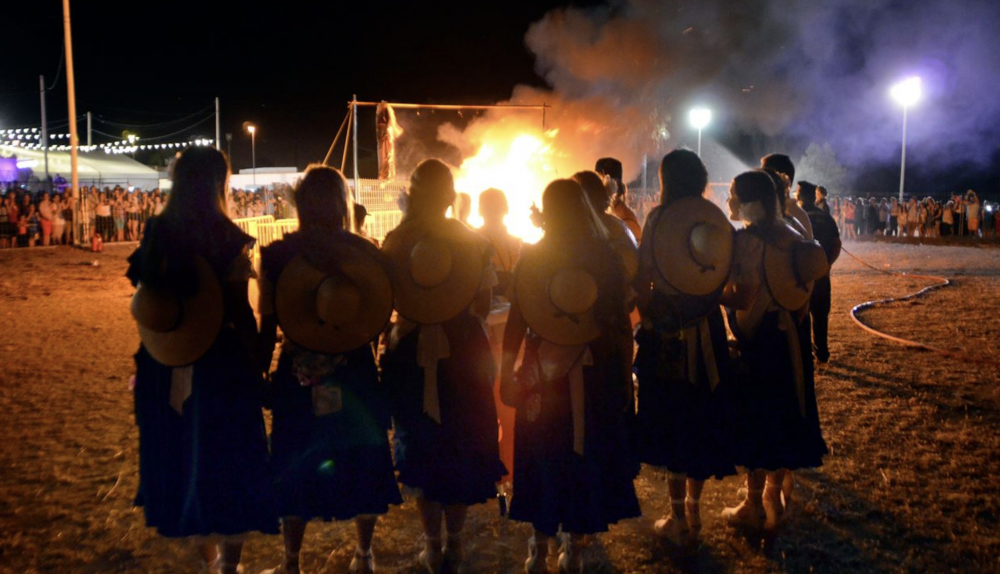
{"x": 74, "y": 138}
{"x": 45, "y": 133}
{"x": 89, "y": 131}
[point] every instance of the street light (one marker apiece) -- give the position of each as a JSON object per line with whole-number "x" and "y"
{"x": 700, "y": 117}
{"x": 253, "y": 151}
{"x": 906, "y": 93}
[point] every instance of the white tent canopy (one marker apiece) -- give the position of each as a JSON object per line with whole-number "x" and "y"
{"x": 94, "y": 168}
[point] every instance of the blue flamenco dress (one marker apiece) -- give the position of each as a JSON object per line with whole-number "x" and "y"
{"x": 203, "y": 469}
{"x": 329, "y": 442}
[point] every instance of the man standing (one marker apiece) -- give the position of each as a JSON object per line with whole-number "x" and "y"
{"x": 782, "y": 164}
{"x": 821, "y": 203}
{"x": 611, "y": 169}
{"x": 826, "y": 233}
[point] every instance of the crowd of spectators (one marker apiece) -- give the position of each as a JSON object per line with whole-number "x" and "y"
{"x": 29, "y": 219}
{"x": 961, "y": 215}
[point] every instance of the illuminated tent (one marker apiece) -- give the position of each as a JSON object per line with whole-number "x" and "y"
{"x": 94, "y": 168}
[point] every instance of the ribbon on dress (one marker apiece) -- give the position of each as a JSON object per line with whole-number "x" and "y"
{"x": 432, "y": 346}
{"x": 787, "y": 324}
{"x": 568, "y": 360}
{"x": 180, "y": 387}
{"x": 693, "y": 334}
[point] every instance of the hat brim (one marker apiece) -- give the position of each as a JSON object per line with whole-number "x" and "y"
{"x": 780, "y": 273}
{"x": 432, "y": 305}
{"x": 672, "y": 249}
{"x": 295, "y": 297}
{"x": 198, "y": 327}
{"x": 535, "y": 269}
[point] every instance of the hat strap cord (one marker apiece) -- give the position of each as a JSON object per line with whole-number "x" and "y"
{"x": 432, "y": 346}
{"x": 787, "y": 324}
{"x": 560, "y": 314}
{"x": 691, "y": 255}
{"x": 799, "y": 283}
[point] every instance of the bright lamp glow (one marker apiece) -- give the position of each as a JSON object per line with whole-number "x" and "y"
{"x": 700, "y": 117}
{"x": 907, "y": 92}
{"x": 251, "y": 128}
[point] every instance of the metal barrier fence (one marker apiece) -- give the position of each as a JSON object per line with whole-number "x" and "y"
{"x": 271, "y": 232}
{"x": 251, "y": 226}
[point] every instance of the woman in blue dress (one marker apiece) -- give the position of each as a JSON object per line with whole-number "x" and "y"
{"x": 683, "y": 358}
{"x": 202, "y": 445}
{"x": 329, "y": 441}
{"x": 573, "y": 467}
{"x": 776, "y": 419}
{"x": 438, "y": 366}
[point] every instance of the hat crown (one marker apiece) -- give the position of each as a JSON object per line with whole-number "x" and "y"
{"x": 430, "y": 262}
{"x": 337, "y": 301}
{"x": 158, "y": 310}
{"x": 572, "y": 290}
{"x": 706, "y": 242}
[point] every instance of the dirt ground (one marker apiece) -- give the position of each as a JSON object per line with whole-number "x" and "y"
{"x": 912, "y": 483}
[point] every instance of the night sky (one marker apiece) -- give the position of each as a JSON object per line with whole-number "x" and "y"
{"x": 781, "y": 75}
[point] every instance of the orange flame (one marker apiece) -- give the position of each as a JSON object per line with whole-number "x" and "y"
{"x": 517, "y": 163}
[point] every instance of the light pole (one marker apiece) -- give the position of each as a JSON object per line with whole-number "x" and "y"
{"x": 699, "y": 118}
{"x": 906, "y": 93}
{"x": 253, "y": 152}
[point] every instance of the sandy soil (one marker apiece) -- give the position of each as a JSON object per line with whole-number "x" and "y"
{"x": 911, "y": 484}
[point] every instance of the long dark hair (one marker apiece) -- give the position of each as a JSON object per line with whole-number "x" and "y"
{"x": 323, "y": 199}
{"x": 568, "y": 214}
{"x": 757, "y": 185}
{"x": 431, "y": 190}
{"x": 682, "y": 174}
{"x": 198, "y": 197}
{"x": 195, "y": 207}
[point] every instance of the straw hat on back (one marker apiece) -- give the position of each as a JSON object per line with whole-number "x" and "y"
{"x": 437, "y": 270}
{"x": 693, "y": 246}
{"x": 176, "y": 329}
{"x": 335, "y": 299}
{"x": 557, "y": 297}
{"x": 791, "y": 266}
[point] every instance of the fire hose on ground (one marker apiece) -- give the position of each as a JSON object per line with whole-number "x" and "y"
{"x": 941, "y": 282}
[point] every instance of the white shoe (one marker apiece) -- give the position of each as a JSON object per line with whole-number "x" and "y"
{"x": 570, "y": 559}
{"x": 746, "y": 514}
{"x": 537, "y": 554}
{"x": 431, "y": 557}
{"x": 672, "y": 529}
{"x": 363, "y": 562}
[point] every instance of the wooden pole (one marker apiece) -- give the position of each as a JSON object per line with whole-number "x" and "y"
{"x": 455, "y": 106}
{"x": 357, "y": 191}
{"x": 326, "y": 160}
{"x": 45, "y": 133}
{"x": 74, "y": 138}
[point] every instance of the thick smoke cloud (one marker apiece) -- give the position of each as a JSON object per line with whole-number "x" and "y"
{"x": 623, "y": 76}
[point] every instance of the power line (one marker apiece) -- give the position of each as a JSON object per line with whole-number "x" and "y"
{"x": 151, "y": 126}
